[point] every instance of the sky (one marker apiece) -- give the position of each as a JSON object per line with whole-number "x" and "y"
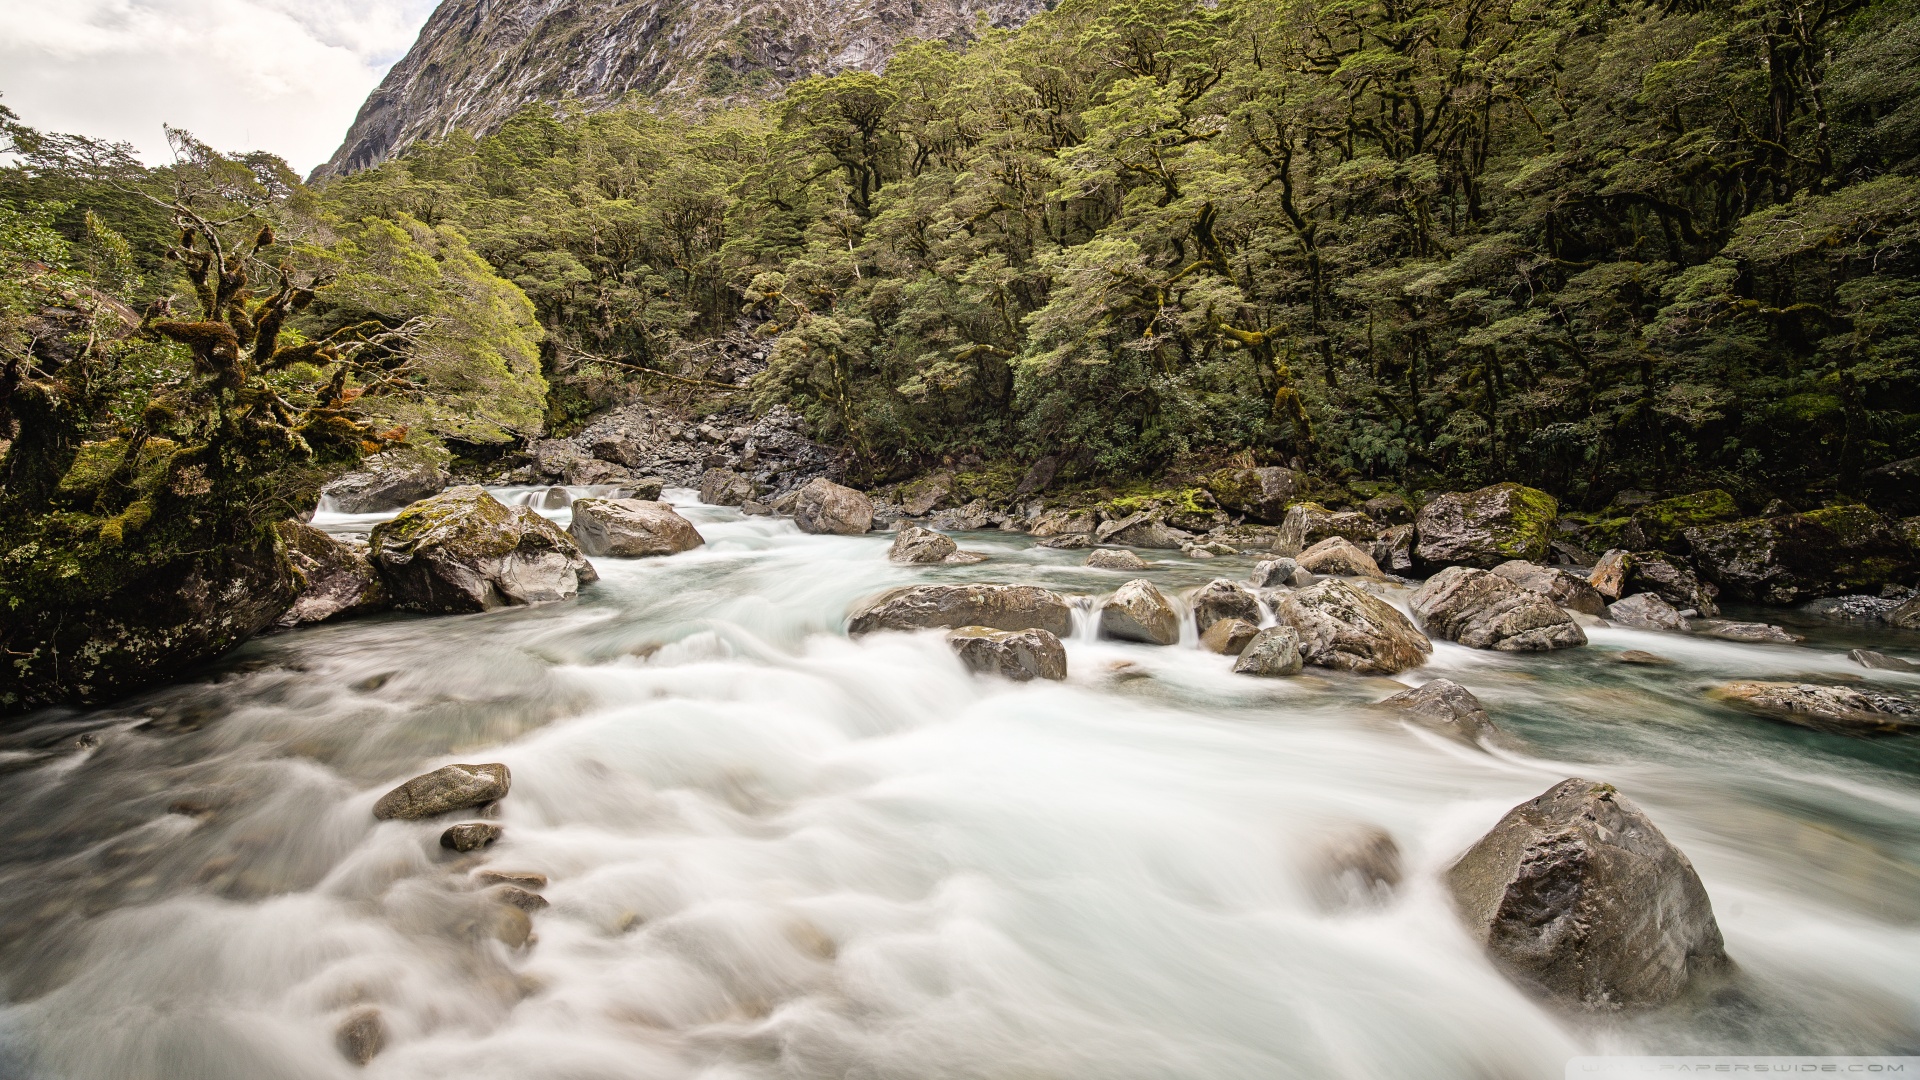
{"x": 285, "y": 76}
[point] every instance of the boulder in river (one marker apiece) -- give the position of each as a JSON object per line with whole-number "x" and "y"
{"x": 1641, "y": 656}
{"x": 1793, "y": 557}
{"x": 1056, "y": 523}
{"x": 1672, "y": 580}
{"x": 1273, "y": 653}
{"x": 1259, "y": 494}
{"x": 1271, "y": 573}
{"x": 913, "y": 544}
{"x": 1483, "y": 610}
{"x": 1564, "y": 587}
{"x": 1752, "y": 633}
{"x": 1143, "y": 529}
{"x": 1868, "y": 658}
{"x": 1487, "y": 527}
{"x": 1139, "y": 611}
{"x": 1340, "y": 557}
{"x": 1308, "y": 523}
{"x": 336, "y": 577}
{"x": 1646, "y": 611}
{"x": 1578, "y": 897}
{"x": 647, "y": 488}
{"x": 1000, "y": 607}
{"x": 631, "y": 528}
{"x": 361, "y": 1035}
{"x": 1019, "y": 655}
{"x": 1609, "y": 575}
{"x": 825, "y": 507}
{"x": 1842, "y": 710}
{"x": 470, "y": 836}
{"x": 1342, "y": 627}
{"x": 1392, "y": 550}
{"x": 1445, "y": 706}
{"x": 463, "y": 551}
{"x": 444, "y": 790}
{"x": 724, "y": 487}
{"x": 1115, "y": 559}
{"x": 1222, "y": 599}
{"x": 1229, "y": 637}
{"x": 387, "y": 481}
{"x": 1358, "y": 866}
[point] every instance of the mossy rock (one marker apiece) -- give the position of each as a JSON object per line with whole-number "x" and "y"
{"x": 1662, "y": 525}
{"x": 96, "y": 463}
{"x": 1487, "y": 527}
{"x": 1795, "y": 557}
{"x": 462, "y": 550}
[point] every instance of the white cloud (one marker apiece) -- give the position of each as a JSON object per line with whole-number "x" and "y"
{"x": 280, "y": 75}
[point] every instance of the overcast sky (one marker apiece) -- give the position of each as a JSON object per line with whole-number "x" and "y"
{"x": 279, "y": 75}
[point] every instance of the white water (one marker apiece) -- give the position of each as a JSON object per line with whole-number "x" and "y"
{"x": 776, "y": 852}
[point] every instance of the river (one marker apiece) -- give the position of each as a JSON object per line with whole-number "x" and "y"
{"x": 775, "y": 852}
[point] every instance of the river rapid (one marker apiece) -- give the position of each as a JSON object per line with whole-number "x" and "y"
{"x": 774, "y": 852}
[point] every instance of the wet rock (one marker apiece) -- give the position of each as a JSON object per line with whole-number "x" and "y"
{"x": 1271, "y": 573}
{"x": 1860, "y": 609}
{"x": 1260, "y": 494}
{"x": 631, "y": 528}
{"x": 1881, "y": 661}
{"x": 1115, "y": 559}
{"x": 1138, "y": 611}
{"x": 755, "y": 508}
{"x": 463, "y": 551}
{"x": 470, "y": 835}
{"x": 1354, "y": 867}
{"x": 1483, "y": 610}
{"x": 444, "y": 790}
{"x": 964, "y": 558}
{"x": 1344, "y": 628}
{"x": 1645, "y": 611}
{"x": 1487, "y": 527}
{"x": 1273, "y": 653}
{"x": 724, "y": 487}
{"x": 825, "y": 507}
{"x": 1578, "y": 897}
{"x": 1750, "y": 632}
{"x": 592, "y": 472}
{"x": 551, "y": 457}
{"x": 1308, "y": 523}
{"x": 362, "y": 1035}
{"x": 525, "y": 899}
{"x": 1641, "y": 656}
{"x": 645, "y": 488}
{"x": 914, "y": 544}
{"x": 920, "y": 497}
{"x": 1446, "y": 707}
{"x": 972, "y": 517}
{"x": 386, "y": 481}
{"x": 1143, "y": 529}
{"x": 553, "y": 498}
{"x": 1564, "y": 587}
{"x": 1392, "y": 550}
{"x": 1064, "y": 523}
{"x": 1906, "y": 616}
{"x": 1388, "y": 510}
{"x": 1842, "y": 710}
{"x": 1000, "y": 607}
{"x": 336, "y": 578}
{"x": 511, "y": 926}
{"x": 526, "y": 879}
{"x": 1789, "y": 558}
{"x": 1195, "y": 551}
{"x": 1609, "y": 576}
{"x": 1336, "y": 555}
{"x": 1222, "y": 599}
{"x": 1662, "y": 574}
{"x": 1020, "y": 655}
{"x": 1229, "y": 637}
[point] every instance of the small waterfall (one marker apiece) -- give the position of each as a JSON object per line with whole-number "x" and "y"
{"x": 1086, "y": 618}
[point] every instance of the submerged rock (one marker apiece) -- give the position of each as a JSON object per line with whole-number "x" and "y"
{"x": 1344, "y": 628}
{"x": 914, "y": 544}
{"x": 631, "y": 528}
{"x": 1578, "y": 897}
{"x": 463, "y": 551}
{"x": 362, "y": 1035}
{"x": 1483, "y": 610}
{"x": 1139, "y": 611}
{"x": 1645, "y": 611}
{"x": 1229, "y": 637}
{"x": 513, "y": 895}
{"x": 1068, "y": 541}
{"x": 825, "y": 507}
{"x": 1354, "y": 867}
{"x": 386, "y": 481}
{"x": 1793, "y": 557}
{"x": 1564, "y": 587}
{"x": 1641, "y": 656}
{"x": 336, "y": 578}
{"x": 1338, "y": 556}
{"x": 1000, "y": 607}
{"x": 1115, "y": 559}
{"x": 1446, "y": 707}
{"x": 1222, "y": 599}
{"x": 1842, "y": 710}
{"x": 1308, "y": 523}
{"x": 444, "y": 790}
{"x": 1751, "y": 632}
{"x": 1487, "y": 527}
{"x": 1273, "y": 653}
{"x": 470, "y": 835}
{"x": 1869, "y": 659}
{"x": 1019, "y": 655}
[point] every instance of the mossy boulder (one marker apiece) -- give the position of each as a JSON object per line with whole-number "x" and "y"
{"x": 1485, "y": 528}
{"x": 462, "y": 551}
{"x": 1258, "y": 494}
{"x": 336, "y": 577}
{"x": 1308, "y": 523}
{"x": 1661, "y": 525}
{"x": 1795, "y": 557}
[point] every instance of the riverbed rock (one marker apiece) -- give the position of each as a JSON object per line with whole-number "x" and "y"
{"x": 1063, "y": 523}
{"x": 1842, "y": 710}
{"x": 1308, "y": 523}
{"x": 1020, "y": 655}
{"x": 526, "y": 879}
{"x": 1340, "y": 557}
{"x": 724, "y": 487}
{"x": 463, "y": 551}
{"x": 825, "y": 507}
{"x": 470, "y": 836}
{"x": 1344, "y": 628}
{"x": 1641, "y": 656}
{"x": 1445, "y": 706}
{"x": 1000, "y": 607}
{"x": 1609, "y": 575}
{"x": 1229, "y": 637}
{"x": 1272, "y": 573}
{"x": 1222, "y": 599}
{"x": 1646, "y": 611}
{"x": 1482, "y": 610}
{"x": 444, "y": 790}
{"x": 1139, "y": 611}
{"x": 1672, "y": 580}
{"x": 1260, "y": 494}
{"x": 1115, "y": 559}
{"x": 644, "y": 488}
{"x": 1392, "y": 550}
{"x": 361, "y": 1035}
{"x": 1853, "y": 609}
{"x": 386, "y": 481}
{"x": 1868, "y": 658}
{"x": 1578, "y": 897}
{"x": 1143, "y": 529}
{"x": 1752, "y": 633}
{"x": 631, "y": 528}
{"x": 1358, "y": 866}
{"x": 1564, "y": 587}
{"x": 592, "y": 472}
{"x": 1068, "y": 541}
{"x": 1487, "y": 527}
{"x": 1789, "y": 558}
{"x": 1906, "y": 616}
{"x": 1273, "y": 653}
{"x": 336, "y": 577}
{"x": 914, "y": 544}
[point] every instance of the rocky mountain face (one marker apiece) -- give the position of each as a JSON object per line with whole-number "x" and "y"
{"x": 477, "y": 62}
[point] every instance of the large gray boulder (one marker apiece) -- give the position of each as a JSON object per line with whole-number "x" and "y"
{"x": 1222, "y": 599}
{"x": 724, "y": 487}
{"x": 1843, "y": 710}
{"x": 384, "y": 482}
{"x": 1000, "y": 607}
{"x": 336, "y": 578}
{"x": 1273, "y": 653}
{"x": 1646, "y": 611}
{"x": 1020, "y": 655}
{"x": 825, "y": 507}
{"x": 1487, "y": 527}
{"x": 1344, "y": 628}
{"x": 1115, "y": 559}
{"x": 913, "y": 544}
{"x": 1579, "y": 898}
{"x": 1446, "y": 707}
{"x": 1260, "y": 494}
{"x": 631, "y": 528}
{"x": 444, "y": 790}
{"x": 1138, "y": 611}
{"x": 1564, "y": 587}
{"x": 1671, "y": 580}
{"x": 1308, "y": 523}
{"x": 1144, "y": 529}
{"x": 1272, "y": 573}
{"x": 1340, "y": 557}
{"x": 1483, "y": 610}
{"x": 463, "y": 551}
{"x": 1794, "y": 557}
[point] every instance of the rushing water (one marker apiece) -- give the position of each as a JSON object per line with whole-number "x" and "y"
{"x": 777, "y": 852}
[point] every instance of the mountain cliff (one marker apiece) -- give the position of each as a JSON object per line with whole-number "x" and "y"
{"x": 477, "y": 62}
